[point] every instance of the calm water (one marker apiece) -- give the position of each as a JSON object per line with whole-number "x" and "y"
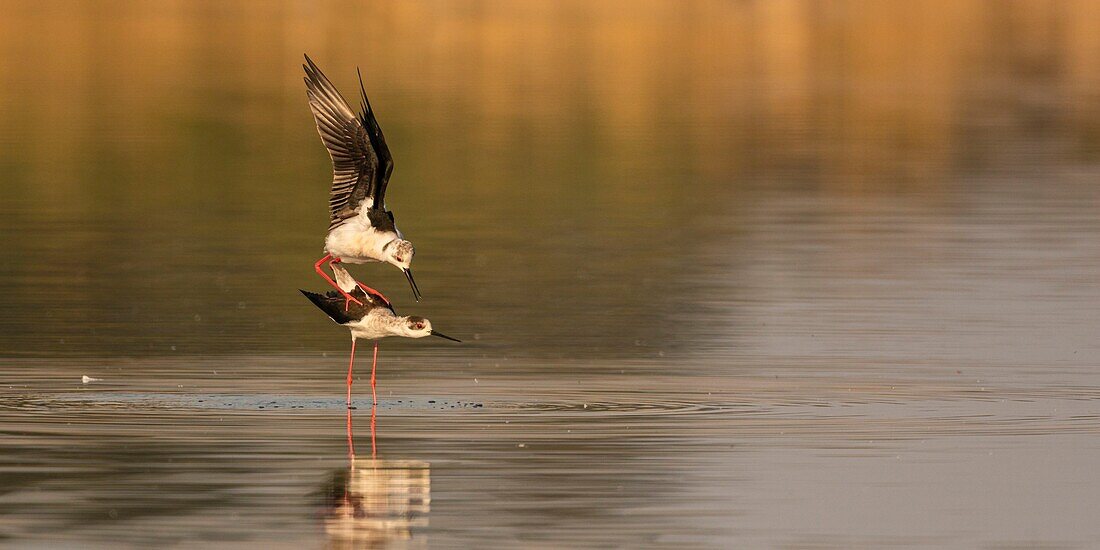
{"x": 730, "y": 274}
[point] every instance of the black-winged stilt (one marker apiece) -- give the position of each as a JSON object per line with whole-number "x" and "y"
{"x": 361, "y": 230}
{"x": 369, "y": 316}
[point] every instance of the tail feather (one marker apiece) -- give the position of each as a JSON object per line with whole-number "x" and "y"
{"x": 343, "y": 278}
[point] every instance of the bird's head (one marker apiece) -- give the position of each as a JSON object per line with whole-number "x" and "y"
{"x": 419, "y": 327}
{"x": 399, "y": 252}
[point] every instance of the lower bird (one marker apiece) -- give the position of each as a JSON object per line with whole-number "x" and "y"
{"x": 369, "y": 316}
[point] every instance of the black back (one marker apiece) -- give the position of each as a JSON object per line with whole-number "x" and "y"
{"x": 339, "y": 309}
{"x": 382, "y": 220}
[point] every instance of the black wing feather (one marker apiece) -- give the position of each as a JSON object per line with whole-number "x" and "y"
{"x": 361, "y": 161}
{"x": 378, "y": 141}
{"x": 342, "y": 311}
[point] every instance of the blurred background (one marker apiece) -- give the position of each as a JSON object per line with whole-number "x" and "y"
{"x": 829, "y": 269}
{"x": 593, "y": 173}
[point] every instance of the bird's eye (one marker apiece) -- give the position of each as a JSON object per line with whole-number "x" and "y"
{"x": 399, "y": 258}
{"x": 419, "y": 326}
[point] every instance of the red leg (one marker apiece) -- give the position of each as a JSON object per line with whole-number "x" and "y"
{"x": 372, "y": 367}
{"x": 351, "y": 363}
{"x": 317, "y": 268}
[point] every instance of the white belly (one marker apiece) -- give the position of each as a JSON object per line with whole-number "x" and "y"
{"x": 374, "y": 326}
{"x": 356, "y": 242}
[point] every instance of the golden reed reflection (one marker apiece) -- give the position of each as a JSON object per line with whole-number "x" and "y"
{"x": 855, "y": 90}
{"x": 375, "y": 502}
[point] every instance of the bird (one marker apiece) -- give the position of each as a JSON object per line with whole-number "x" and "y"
{"x": 361, "y": 229}
{"x": 368, "y": 316}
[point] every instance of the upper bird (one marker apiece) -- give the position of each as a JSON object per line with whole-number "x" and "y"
{"x": 361, "y": 229}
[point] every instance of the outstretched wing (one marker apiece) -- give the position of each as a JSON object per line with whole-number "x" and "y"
{"x": 356, "y": 166}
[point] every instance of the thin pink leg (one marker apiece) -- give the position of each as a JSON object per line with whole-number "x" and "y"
{"x": 321, "y": 272}
{"x": 372, "y": 369}
{"x": 351, "y": 363}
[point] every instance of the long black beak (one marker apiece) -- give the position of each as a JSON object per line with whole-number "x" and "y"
{"x": 412, "y": 283}
{"x": 441, "y": 335}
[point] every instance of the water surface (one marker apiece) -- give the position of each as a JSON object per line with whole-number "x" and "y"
{"x": 729, "y": 274}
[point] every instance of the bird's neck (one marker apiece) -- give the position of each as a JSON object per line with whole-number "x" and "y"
{"x": 397, "y": 325}
{"x": 385, "y": 322}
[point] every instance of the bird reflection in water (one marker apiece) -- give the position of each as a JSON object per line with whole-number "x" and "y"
{"x": 374, "y": 502}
